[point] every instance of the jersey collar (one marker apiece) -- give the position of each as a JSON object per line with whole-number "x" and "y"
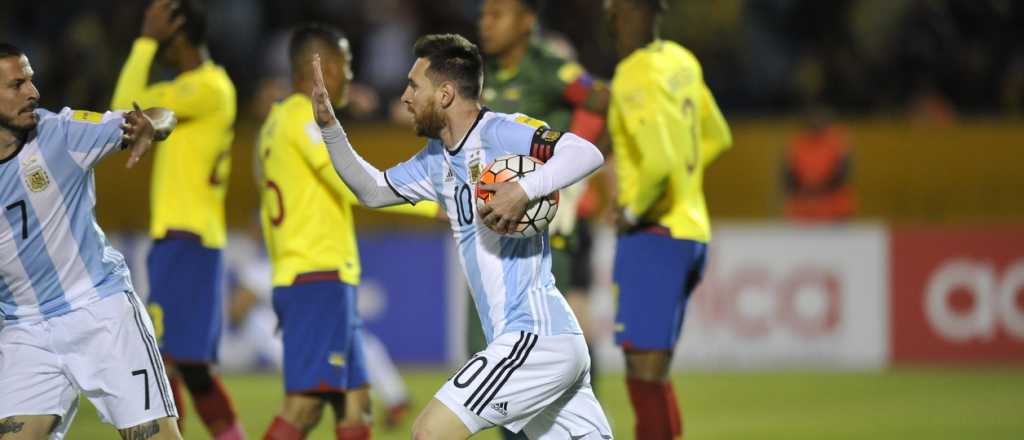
{"x": 29, "y": 138}
{"x": 479, "y": 116}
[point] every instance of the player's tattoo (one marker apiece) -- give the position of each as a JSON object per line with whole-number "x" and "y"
{"x": 10, "y": 426}
{"x": 141, "y": 432}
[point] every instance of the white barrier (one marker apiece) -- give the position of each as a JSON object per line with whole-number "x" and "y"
{"x": 776, "y": 296}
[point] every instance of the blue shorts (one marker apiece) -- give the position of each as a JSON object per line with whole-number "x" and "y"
{"x": 655, "y": 275}
{"x": 322, "y": 334}
{"x": 186, "y": 294}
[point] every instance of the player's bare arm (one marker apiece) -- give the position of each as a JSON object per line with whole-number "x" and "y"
{"x": 143, "y": 127}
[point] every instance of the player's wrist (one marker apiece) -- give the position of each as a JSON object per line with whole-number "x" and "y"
{"x": 529, "y": 187}
{"x": 146, "y": 42}
{"x": 332, "y": 132}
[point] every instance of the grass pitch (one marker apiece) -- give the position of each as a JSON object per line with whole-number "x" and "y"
{"x": 919, "y": 403}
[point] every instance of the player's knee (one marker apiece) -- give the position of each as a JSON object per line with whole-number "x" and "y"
{"x": 427, "y": 427}
{"x": 423, "y": 432}
{"x": 160, "y": 429}
{"x": 303, "y": 411}
{"x": 648, "y": 366}
{"x": 198, "y": 378}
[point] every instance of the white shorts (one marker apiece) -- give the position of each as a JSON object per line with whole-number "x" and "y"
{"x": 536, "y": 384}
{"x": 105, "y": 350}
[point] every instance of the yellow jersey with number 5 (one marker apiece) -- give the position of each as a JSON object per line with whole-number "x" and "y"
{"x": 665, "y": 125}
{"x": 190, "y": 168}
{"x": 305, "y": 208}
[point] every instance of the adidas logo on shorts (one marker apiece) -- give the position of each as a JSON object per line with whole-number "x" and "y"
{"x": 500, "y": 408}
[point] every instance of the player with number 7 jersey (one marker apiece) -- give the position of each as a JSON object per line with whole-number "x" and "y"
{"x": 70, "y": 322}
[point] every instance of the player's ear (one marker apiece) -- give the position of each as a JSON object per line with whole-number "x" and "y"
{"x": 447, "y": 90}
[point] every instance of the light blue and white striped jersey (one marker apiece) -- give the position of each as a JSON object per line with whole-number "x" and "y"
{"x": 54, "y": 258}
{"x": 510, "y": 278}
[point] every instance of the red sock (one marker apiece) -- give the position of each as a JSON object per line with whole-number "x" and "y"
{"x": 235, "y": 432}
{"x": 356, "y": 432}
{"x": 214, "y": 407}
{"x": 657, "y": 413}
{"x": 179, "y": 402}
{"x": 280, "y": 429}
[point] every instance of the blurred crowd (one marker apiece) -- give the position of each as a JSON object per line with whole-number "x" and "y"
{"x": 938, "y": 57}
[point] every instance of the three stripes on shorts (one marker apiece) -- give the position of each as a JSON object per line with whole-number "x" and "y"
{"x": 499, "y": 375}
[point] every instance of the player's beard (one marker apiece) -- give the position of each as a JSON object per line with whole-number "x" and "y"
{"x": 20, "y": 123}
{"x": 430, "y": 121}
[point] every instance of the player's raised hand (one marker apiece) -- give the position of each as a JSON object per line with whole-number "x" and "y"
{"x": 160, "y": 23}
{"x": 323, "y": 110}
{"x": 507, "y": 205}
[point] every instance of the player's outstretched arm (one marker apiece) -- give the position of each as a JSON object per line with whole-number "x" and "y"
{"x": 366, "y": 181}
{"x": 143, "y": 127}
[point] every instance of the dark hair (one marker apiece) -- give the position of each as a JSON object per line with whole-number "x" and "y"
{"x": 194, "y": 28}
{"x": 306, "y": 35}
{"x": 656, "y": 5}
{"x": 533, "y": 5}
{"x": 452, "y": 57}
{"x": 9, "y": 50}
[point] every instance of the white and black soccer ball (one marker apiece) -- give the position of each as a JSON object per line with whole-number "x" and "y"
{"x": 510, "y": 169}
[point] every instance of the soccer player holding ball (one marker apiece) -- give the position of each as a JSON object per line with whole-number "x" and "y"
{"x": 522, "y": 74}
{"x": 665, "y": 127}
{"x": 533, "y": 375}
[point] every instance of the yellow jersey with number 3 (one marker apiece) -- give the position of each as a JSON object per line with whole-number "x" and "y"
{"x": 665, "y": 127}
{"x": 305, "y": 208}
{"x": 190, "y": 168}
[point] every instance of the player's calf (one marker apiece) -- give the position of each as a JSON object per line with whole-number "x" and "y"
{"x": 160, "y": 429}
{"x": 353, "y": 415}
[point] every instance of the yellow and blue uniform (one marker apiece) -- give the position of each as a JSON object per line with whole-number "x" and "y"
{"x": 306, "y": 211}
{"x": 665, "y": 128}
{"x": 189, "y": 183}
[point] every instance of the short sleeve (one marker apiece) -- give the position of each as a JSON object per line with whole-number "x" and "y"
{"x": 91, "y": 136}
{"x": 410, "y": 180}
{"x": 307, "y": 140}
{"x": 715, "y": 134}
{"x": 522, "y": 135}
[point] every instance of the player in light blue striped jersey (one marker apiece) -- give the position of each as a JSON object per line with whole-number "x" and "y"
{"x": 533, "y": 375}
{"x": 70, "y": 322}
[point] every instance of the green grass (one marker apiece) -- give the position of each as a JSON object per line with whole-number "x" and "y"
{"x": 900, "y": 404}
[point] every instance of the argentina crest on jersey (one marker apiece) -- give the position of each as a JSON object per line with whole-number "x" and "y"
{"x": 475, "y": 165}
{"x": 34, "y": 175}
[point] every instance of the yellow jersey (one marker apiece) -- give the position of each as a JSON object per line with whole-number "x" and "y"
{"x": 665, "y": 128}
{"x": 191, "y": 167}
{"x": 305, "y": 208}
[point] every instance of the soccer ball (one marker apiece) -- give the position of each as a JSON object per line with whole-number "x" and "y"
{"x": 509, "y": 169}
